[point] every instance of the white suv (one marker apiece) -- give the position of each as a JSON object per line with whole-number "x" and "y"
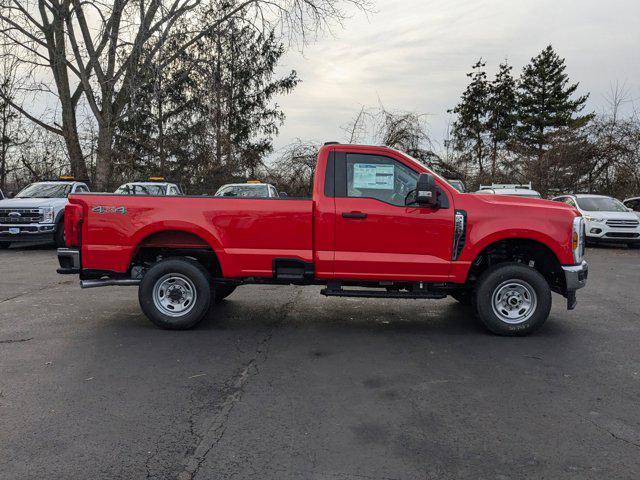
{"x": 35, "y": 214}
{"x": 633, "y": 204}
{"x": 607, "y": 220}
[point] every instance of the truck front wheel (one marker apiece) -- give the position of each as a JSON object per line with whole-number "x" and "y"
{"x": 512, "y": 299}
{"x": 175, "y": 293}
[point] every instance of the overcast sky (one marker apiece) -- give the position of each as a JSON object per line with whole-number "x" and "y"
{"x": 413, "y": 55}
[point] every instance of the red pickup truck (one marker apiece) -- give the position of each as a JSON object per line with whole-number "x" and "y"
{"x": 379, "y": 224}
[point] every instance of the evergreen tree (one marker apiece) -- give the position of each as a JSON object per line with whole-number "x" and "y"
{"x": 502, "y": 115}
{"x": 219, "y": 96}
{"x": 468, "y": 134}
{"x": 546, "y": 107}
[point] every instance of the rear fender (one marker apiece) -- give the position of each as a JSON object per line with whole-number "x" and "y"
{"x": 152, "y": 235}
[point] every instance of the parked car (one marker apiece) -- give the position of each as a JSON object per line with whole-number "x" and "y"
{"x": 155, "y": 186}
{"x": 607, "y": 220}
{"x": 379, "y": 224}
{"x": 519, "y": 190}
{"x": 36, "y": 213}
{"x": 633, "y": 204}
{"x": 250, "y": 189}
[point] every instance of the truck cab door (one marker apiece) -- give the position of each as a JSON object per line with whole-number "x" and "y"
{"x": 377, "y": 236}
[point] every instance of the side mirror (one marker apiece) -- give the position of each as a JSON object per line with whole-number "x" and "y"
{"x": 426, "y": 192}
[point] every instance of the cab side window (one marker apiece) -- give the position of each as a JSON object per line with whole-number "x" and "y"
{"x": 378, "y": 177}
{"x": 81, "y": 189}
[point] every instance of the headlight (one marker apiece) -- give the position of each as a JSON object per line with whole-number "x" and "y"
{"x": 577, "y": 239}
{"x": 47, "y": 214}
{"x": 593, "y": 219}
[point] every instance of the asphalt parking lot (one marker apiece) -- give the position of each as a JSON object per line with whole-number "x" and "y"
{"x": 282, "y": 383}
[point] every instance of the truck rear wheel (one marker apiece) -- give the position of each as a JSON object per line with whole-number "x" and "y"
{"x": 512, "y": 299}
{"x": 175, "y": 293}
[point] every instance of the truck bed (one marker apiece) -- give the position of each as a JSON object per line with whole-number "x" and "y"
{"x": 254, "y": 231}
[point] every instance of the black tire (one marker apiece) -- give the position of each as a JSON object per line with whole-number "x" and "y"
{"x": 59, "y": 236}
{"x": 187, "y": 271}
{"x": 527, "y": 281}
{"x": 462, "y": 296}
{"x": 4, "y": 245}
{"x": 223, "y": 291}
{"x": 633, "y": 246}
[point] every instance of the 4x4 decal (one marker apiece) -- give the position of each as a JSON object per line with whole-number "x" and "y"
{"x": 102, "y": 209}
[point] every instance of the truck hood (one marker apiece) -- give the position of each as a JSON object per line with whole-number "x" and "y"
{"x": 33, "y": 202}
{"x": 611, "y": 215}
{"x": 513, "y": 200}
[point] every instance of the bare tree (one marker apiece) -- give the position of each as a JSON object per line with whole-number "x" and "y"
{"x": 9, "y": 120}
{"x": 97, "y": 50}
{"x": 293, "y": 170}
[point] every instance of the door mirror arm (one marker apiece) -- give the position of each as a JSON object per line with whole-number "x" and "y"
{"x": 426, "y": 192}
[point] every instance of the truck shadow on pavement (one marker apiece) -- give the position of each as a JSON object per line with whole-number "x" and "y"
{"x": 243, "y": 315}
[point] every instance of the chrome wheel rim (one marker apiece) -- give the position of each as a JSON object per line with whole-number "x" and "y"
{"x": 514, "y": 301}
{"x": 174, "y": 295}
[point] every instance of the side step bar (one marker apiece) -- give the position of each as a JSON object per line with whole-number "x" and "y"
{"x": 338, "y": 291}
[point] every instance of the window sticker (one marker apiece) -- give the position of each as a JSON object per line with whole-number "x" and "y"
{"x": 373, "y": 176}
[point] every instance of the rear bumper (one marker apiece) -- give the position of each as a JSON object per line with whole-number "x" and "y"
{"x": 576, "y": 276}
{"x": 69, "y": 260}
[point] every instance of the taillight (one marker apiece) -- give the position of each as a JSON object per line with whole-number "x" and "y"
{"x": 73, "y": 225}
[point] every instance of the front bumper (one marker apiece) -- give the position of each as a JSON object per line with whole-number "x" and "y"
{"x": 23, "y": 233}
{"x": 69, "y": 259}
{"x": 575, "y": 278}
{"x": 599, "y": 232}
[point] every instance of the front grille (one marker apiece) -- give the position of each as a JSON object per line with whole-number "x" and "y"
{"x": 20, "y": 215}
{"x": 618, "y": 223}
{"x": 622, "y": 235}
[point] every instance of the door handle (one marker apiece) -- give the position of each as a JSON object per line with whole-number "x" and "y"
{"x": 355, "y": 215}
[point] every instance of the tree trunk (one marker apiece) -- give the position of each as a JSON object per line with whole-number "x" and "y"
{"x": 103, "y": 158}
{"x": 72, "y": 141}
{"x": 76, "y": 159}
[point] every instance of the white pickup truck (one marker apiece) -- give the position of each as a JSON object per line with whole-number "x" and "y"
{"x": 154, "y": 186}
{"x": 35, "y": 214}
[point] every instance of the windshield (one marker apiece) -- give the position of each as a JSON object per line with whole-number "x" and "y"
{"x": 243, "y": 191}
{"x": 132, "y": 189}
{"x": 601, "y": 204}
{"x": 45, "y": 190}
